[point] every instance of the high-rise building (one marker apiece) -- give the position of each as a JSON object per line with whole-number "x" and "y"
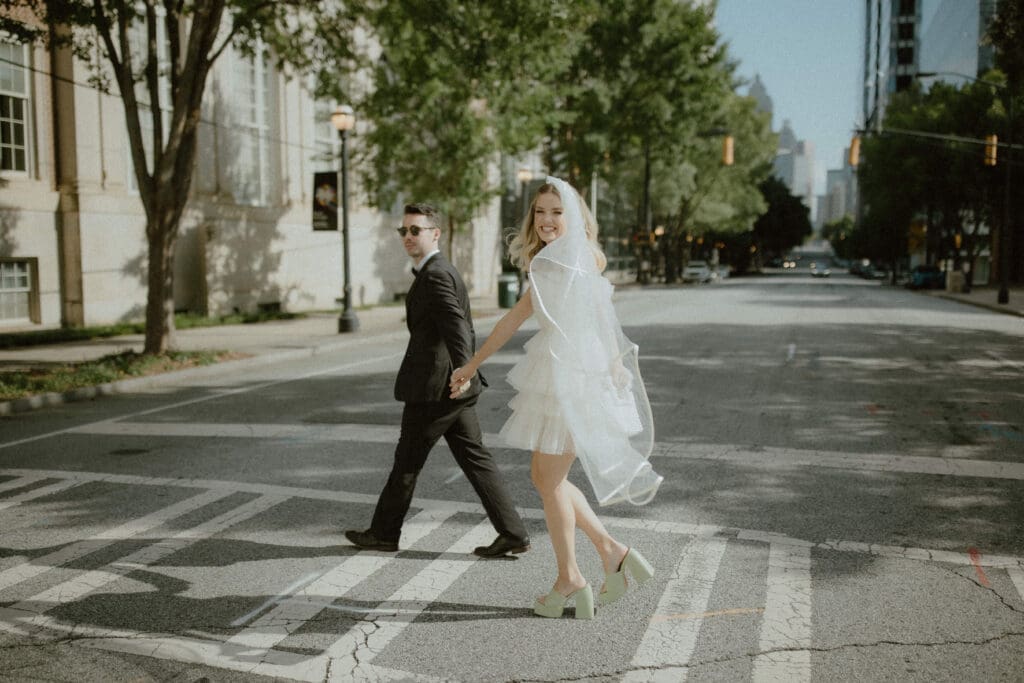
{"x": 892, "y": 46}
{"x": 794, "y": 165}
{"x": 953, "y": 42}
{"x": 760, "y": 95}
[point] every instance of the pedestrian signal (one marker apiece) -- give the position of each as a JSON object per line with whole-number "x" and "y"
{"x": 991, "y": 148}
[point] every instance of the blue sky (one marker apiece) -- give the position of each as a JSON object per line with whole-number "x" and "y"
{"x": 809, "y": 54}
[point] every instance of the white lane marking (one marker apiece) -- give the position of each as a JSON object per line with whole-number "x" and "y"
{"x": 276, "y": 625}
{"x": 667, "y": 645}
{"x": 786, "y": 624}
{"x": 38, "y": 493}
{"x": 338, "y": 432}
{"x": 350, "y": 654}
{"x": 27, "y": 612}
{"x": 790, "y": 352}
{"x": 19, "y": 482}
{"x": 761, "y": 457}
{"x": 655, "y": 526}
{"x": 876, "y": 462}
{"x": 208, "y": 397}
{"x": 39, "y": 565}
{"x": 1017, "y": 577}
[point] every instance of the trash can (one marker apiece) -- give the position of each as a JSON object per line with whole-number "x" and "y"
{"x": 508, "y": 290}
{"x": 955, "y": 281}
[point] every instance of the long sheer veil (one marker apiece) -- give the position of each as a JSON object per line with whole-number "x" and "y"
{"x": 596, "y": 368}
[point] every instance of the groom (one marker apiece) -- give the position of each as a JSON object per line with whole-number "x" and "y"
{"x": 441, "y": 338}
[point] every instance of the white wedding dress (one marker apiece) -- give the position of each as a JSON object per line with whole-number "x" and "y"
{"x": 579, "y": 385}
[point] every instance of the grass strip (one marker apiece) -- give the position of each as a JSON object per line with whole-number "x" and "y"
{"x": 67, "y": 377}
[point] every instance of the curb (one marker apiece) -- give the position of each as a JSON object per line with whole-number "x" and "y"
{"x": 37, "y": 401}
{"x": 995, "y": 308}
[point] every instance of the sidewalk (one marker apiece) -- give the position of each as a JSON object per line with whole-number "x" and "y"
{"x": 986, "y": 297}
{"x": 260, "y": 342}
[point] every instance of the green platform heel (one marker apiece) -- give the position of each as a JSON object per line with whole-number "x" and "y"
{"x": 615, "y": 583}
{"x": 554, "y": 604}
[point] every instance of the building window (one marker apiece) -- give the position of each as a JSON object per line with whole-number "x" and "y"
{"x": 905, "y": 31}
{"x": 14, "y": 107}
{"x": 908, "y": 8}
{"x": 249, "y": 155}
{"x": 905, "y": 55}
{"x": 16, "y": 291}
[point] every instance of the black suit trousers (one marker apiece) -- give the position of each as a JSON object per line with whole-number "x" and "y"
{"x": 422, "y": 425}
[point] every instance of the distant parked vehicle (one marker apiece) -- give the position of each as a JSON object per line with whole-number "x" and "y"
{"x": 819, "y": 269}
{"x": 697, "y": 271}
{"x": 926, "y": 277}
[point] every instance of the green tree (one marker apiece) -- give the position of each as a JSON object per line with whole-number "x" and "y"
{"x": 839, "y": 234}
{"x": 924, "y": 167}
{"x": 786, "y": 223}
{"x": 168, "y": 91}
{"x": 457, "y": 82}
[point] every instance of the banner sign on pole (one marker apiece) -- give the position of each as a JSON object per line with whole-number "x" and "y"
{"x": 325, "y": 201}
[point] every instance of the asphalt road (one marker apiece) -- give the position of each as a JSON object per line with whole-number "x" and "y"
{"x": 844, "y": 501}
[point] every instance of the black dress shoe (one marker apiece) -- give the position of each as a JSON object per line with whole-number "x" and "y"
{"x": 503, "y": 545}
{"x": 367, "y": 541}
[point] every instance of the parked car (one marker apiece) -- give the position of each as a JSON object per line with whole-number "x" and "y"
{"x": 697, "y": 271}
{"x": 926, "y": 277}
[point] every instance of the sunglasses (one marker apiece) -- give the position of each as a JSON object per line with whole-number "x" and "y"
{"x": 415, "y": 230}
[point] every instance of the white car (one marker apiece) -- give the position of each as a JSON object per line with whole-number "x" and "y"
{"x": 697, "y": 271}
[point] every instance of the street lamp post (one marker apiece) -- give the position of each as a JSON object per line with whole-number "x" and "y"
{"x": 1004, "y": 229}
{"x": 344, "y": 120}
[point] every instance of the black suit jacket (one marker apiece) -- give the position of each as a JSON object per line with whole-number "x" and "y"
{"x": 441, "y": 335}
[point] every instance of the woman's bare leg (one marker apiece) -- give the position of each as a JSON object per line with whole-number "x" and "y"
{"x": 548, "y": 473}
{"x": 610, "y": 550}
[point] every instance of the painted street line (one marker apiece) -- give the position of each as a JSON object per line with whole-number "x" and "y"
{"x": 769, "y": 456}
{"x": 209, "y": 397}
{"x": 655, "y": 526}
{"x": 39, "y": 565}
{"x": 289, "y": 614}
{"x": 352, "y": 655}
{"x": 667, "y": 645}
{"x": 786, "y": 624}
{"x": 40, "y": 492}
{"x": 1017, "y": 577}
{"x": 762, "y": 457}
{"x": 19, "y": 482}
{"x": 27, "y": 612}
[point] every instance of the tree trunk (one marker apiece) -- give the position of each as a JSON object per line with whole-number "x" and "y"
{"x": 160, "y": 297}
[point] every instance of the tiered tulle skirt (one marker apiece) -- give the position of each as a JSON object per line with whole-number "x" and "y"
{"x": 536, "y": 423}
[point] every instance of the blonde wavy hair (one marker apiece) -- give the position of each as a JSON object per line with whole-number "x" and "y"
{"x": 525, "y": 244}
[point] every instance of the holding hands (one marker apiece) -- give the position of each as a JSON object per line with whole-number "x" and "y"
{"x": 459, "y": 383}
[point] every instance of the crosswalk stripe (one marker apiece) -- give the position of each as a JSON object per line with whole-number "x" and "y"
{"x": 667, "y": 645}
{"x": 35, "y": 566}
{"x": 38, "y": 493}
{"x": 1017, "y": 577}
{"x": 275, "y": 625}
{"x": 765, "y": 457}
{"x": 786, "y": 625}
{"x": 19, "y": 482}
{"x": 27, "y": 611}
{"x": 352, "y": 655}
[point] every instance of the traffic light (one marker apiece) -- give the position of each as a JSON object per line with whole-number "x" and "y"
{"x": 727, "y": 145}
{"x": 991, "y": 148}
{"x": 854, "y": 153}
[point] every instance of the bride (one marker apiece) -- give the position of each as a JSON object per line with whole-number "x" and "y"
{"x": 580, "y": 395}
